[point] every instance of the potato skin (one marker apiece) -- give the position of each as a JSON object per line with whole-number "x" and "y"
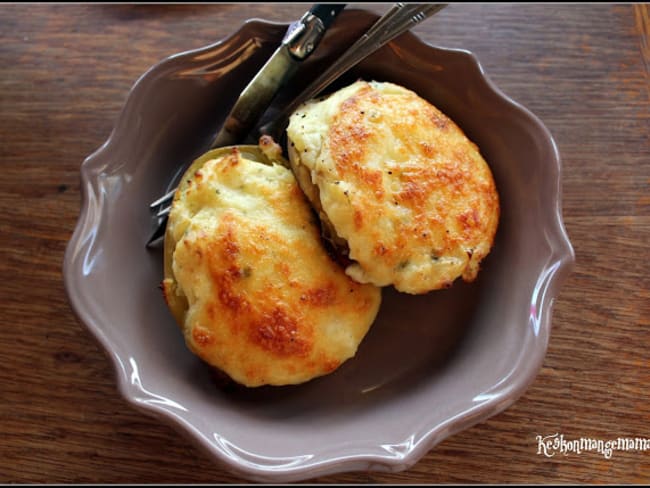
{"x": 248, "y": 278}
{"x": 399, "y": 182}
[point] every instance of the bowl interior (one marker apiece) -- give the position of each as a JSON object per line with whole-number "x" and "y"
{"x": 429, "y": 366}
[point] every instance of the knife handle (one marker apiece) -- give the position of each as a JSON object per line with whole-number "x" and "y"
{"x": 303, "y": 36}
{"x": 326, "y": 12}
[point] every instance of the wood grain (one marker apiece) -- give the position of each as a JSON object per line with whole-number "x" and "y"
{"x": 583, "y": 69}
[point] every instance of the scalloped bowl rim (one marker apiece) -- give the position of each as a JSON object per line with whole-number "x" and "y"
{"x": 388, "y": 457}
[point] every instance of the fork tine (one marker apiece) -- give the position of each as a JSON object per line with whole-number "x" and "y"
{"x": 158, "y": 233}
{"x": 164, "y": 211}
{"x": 164, "y": 199}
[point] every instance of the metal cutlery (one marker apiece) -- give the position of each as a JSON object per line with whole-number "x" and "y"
{"x": 398, "y": 19}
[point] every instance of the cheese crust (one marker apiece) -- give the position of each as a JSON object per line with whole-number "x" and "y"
{"x": 248, "y": 279}
{"x": 398, "y": 183}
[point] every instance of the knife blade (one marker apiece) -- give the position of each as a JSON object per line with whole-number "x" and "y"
{"x": 301, "y": 39}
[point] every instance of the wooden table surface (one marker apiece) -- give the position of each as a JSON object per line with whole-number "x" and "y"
{"x": 65, "y": 71}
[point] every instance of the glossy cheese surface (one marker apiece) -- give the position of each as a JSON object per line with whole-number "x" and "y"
{"x": 398, "y": 182}
{"x": 266, "y": 304}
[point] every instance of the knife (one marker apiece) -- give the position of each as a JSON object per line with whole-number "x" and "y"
{"x": 300, "y": 40}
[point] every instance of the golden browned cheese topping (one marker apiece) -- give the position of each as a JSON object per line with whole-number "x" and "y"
{"x": 399, "y": 182}
{"x": 266, "y": 304}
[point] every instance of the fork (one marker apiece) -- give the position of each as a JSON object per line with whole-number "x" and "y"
{"x": 400, "y": 18}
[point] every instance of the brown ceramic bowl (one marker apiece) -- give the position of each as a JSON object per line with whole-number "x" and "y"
{"x": 430, "y": 366}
